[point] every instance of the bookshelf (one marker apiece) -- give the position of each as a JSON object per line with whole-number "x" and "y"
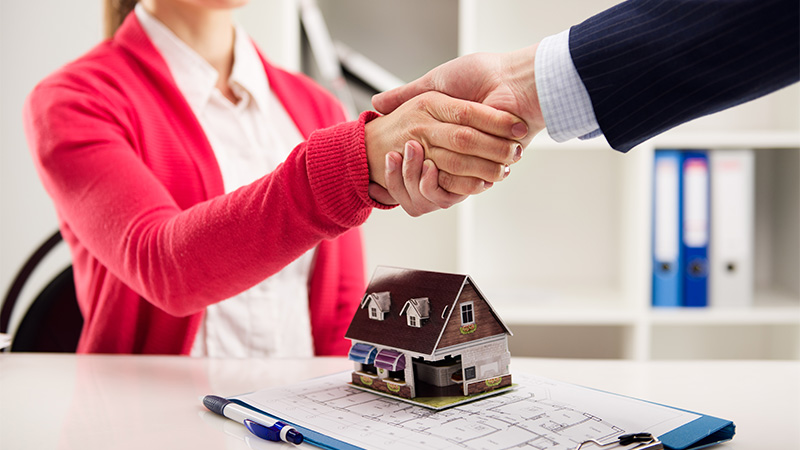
{"x": 562, "y": 248}
{"x": 561, "y": 279}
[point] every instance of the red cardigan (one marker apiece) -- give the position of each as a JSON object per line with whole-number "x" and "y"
{"x": 139, "y": 197}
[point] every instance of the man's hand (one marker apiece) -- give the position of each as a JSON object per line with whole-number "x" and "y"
{"x": 504, "y": 81}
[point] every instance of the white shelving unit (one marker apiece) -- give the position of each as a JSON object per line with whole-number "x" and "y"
{"x": 275, "y": 27}
{"x": 562, "y": 247}
{"x": 565, "y": 244}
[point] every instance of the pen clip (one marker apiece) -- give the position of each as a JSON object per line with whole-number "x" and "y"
{"x": 277, "y": 432}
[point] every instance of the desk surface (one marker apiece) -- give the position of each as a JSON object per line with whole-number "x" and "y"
{"x": 90, "y": 402}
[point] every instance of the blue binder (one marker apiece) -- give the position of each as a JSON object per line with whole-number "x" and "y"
{"x": 667, "y": 248}
{"x": 695, "y": 227}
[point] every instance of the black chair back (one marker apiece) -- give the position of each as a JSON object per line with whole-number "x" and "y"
{"x": 53, "y": 321}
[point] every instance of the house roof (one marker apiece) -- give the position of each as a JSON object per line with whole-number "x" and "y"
{"x": 441, "y": 289}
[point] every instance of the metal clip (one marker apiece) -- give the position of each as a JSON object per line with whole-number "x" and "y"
{"x": 643, "y": 441}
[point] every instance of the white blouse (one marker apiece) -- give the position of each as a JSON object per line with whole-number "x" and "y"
{"x": 250, "y": 139}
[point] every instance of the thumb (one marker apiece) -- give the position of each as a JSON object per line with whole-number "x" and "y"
{"x": 381, "y": 195}
{"x": 388, "y": 101}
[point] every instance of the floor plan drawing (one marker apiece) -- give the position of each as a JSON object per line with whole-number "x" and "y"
{"x": 538, "y": 414}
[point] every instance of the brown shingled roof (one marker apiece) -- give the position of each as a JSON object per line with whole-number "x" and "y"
{"x": 441, "y": 289}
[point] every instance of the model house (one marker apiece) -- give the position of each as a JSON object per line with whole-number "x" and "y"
{"x": 427, "y": 334}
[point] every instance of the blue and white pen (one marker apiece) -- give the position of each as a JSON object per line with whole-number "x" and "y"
{"x": 259, "y": 425}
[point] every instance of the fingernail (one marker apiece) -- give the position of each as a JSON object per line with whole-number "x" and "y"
{"x": 391, "y": 164}
{"x": 409, "y": 152}
{"x": 487, "y": 185}
{"x": 517, "y": 153}
{"x": 519, "y": 130}
{"x": 506, "y": 171}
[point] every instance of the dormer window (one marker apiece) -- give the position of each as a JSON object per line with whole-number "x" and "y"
{"x": 416, "y": 310}
{"x": 467, "y": 314}
{"x": 377, "y": 304}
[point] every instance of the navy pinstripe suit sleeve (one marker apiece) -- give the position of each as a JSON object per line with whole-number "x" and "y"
{"x": 650, "y": 65}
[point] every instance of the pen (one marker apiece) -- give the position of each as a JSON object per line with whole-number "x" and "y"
{"x": 259, "y": 425}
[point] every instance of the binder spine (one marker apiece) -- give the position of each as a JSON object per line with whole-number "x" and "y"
{"x": 732, "y": 228}
{"x": 696, "y": 211}
{"x": 667, "y": 252}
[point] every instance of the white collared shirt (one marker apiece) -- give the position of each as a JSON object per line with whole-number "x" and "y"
{"x": 249, "y": 139}
{"x": 566, "y": 107}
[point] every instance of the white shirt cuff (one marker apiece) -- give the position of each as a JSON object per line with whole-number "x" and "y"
{"x": 563, "y": 98}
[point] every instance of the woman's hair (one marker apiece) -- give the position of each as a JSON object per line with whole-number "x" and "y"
{"x": 116, "y": 12}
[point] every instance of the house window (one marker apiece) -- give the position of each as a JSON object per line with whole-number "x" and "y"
{"x": 469, "y": 373}
{"x": 412, "y": 321}
{"x": 373, "y": 312}
{"x": 467, "y": 316}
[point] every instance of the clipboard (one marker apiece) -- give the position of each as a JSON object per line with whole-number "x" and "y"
{"x": 333, "y": 415}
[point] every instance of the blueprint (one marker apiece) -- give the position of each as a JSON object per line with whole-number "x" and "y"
{"x": 539, "y": 414}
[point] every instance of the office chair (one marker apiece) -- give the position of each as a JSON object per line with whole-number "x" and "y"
{"x": 53, "y": 321}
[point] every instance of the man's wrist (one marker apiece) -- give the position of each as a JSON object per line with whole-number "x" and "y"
{"x": 522, "y": 79}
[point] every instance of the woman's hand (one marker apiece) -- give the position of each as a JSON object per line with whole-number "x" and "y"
{"x": 459, "y": 137}
{"x": 413, "y": 183}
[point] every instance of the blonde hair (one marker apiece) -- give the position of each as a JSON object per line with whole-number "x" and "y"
{"x": 115, "y": 13}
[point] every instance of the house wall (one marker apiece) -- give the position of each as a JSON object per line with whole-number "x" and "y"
{"x": 487, "y": 385}
{"x": 410, "y": 312}
{"x": 489, "y": 361}
{"x": 385, "y": 386}
{"x": 486, "y": 324}
{"x": 408, "y": 374}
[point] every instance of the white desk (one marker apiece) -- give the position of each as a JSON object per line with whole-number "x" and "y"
{"x": 134, "y": 402}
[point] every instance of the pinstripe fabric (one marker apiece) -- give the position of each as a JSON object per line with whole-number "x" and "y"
{"x": 650, "y": 65}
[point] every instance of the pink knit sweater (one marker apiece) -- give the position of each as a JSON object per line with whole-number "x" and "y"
{"x": 139, "y": 197}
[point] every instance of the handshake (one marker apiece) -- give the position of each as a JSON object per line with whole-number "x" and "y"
{"x": 461, "y": 127}
{"x": 616, "y": 74}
